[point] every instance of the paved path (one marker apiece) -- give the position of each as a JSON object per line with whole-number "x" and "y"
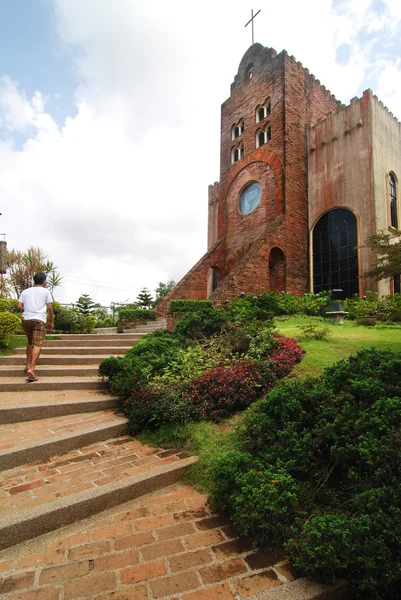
{"x": 163, "y": 546}
{"x": 87, "y": 512}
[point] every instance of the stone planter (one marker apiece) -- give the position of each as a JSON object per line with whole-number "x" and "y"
{"x": 129, "y": 325}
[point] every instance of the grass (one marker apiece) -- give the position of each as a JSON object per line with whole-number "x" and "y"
{"x": 342, "y": 341}
{"x": 17, "y": 341}
{"x": 207, "y": 440}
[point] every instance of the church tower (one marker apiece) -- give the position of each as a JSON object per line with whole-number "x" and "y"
{"x": 299, "y": 171}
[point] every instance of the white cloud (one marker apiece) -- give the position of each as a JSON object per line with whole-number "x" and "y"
{"x": 118, "y": 193}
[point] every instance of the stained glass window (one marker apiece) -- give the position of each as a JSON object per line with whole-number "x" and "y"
{"x": 335, "y": 253}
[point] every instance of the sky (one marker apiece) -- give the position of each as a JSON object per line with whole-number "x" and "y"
{"x": 110, "y": 120}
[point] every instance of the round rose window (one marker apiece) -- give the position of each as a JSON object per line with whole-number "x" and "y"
{"x": 250, "y": 198}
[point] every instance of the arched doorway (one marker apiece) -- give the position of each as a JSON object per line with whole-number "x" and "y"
{"x": 277, "y": 270}
{"x": 335, "y": 253}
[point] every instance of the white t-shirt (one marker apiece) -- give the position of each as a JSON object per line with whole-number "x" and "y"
{"x": 35, "y": 300}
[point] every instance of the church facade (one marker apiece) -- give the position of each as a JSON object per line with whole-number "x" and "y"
{"x": 304, "y": 180}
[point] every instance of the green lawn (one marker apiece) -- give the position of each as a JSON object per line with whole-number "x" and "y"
{"x": 342, "y": 341}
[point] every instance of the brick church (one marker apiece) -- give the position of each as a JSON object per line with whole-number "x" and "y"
{"x": 304, "y": 180}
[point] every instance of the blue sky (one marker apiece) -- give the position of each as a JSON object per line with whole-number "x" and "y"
{"x": 32, "y": 54}
{"x": 98, "y": 99}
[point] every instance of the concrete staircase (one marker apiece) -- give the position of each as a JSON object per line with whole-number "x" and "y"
{"x": 66, "y": 363}
{"x": 87, "y": 512}
{"x": 62, "y": 454}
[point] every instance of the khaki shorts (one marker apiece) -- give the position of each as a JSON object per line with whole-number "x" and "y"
{"x": 35, "y": 332}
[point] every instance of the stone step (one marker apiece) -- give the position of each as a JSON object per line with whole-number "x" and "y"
{"x": 67, "y": 488}
{"x": 66, "y": 359}
{"x": 164, "y": 545}
{"x": 51, "y": 371}
{"x": 79, "y": 350}
{"x": 90, "y": 336}
{"x": 16, "y": 407}
{"x": 11, "y": 384}
{"x": 28, "y": 442}
{"x": 93, "y": 343}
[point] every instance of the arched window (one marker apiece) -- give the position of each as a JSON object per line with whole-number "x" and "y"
{"x": 263, "y": 135}
{"x": 393, "y": 201}
{"x": 249, "y": 71}
{"x": 263, "y": 110}
{"x": 237, "y": 152}
{"x": 277, "y": 270}
{"x": 335, "y": 253}
{"x": 237, "y": 129}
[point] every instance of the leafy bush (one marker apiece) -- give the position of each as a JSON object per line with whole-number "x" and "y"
{"x": 387, "y": 309}
{"x": 309, "y": 304}
{"x": 136, "y": 314}
{"x": 185, "y": 306}
{"x": 148, "y": 358}
{"x": 222, "y": 391}
{"x": 65, "y": 320}
{"x": 247, "y": 308}
{"x": 198, "y": 325}
{"x": 9, "y": 305}
{"x": 285, "y": 356}
{"x": 9, "y": 325}
{"x": 319, "y": 466}
{"x": 314, "y": 331}
{"x": 157, "y": 405}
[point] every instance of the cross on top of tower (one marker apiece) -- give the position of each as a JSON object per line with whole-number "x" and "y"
{"x": 251, "y": 21}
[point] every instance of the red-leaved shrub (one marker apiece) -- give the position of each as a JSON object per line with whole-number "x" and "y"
{"x": 220, "y": 392}
{"x": 285, "y": 356}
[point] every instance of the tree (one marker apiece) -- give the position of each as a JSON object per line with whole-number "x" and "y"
{"x": 144, "y": 299}
{"x": 387, "y": 249}
{"x": 21, "y": 267}
{"x": 85, "y": 305}
{"x": 162, "y": 290}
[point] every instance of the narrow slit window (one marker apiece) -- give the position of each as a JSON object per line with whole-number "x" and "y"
{"x": 393, "y": 202}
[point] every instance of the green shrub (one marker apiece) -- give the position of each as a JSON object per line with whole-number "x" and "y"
{"x": 247, "y": 308}
{"x": 9, "y": 325}
{"x": 314, "y": 331}
{"x": 9, "y": 305}
{"x": 327, "y": 454}
{"x": 309, "y": 304}
{"x": 65, "y": 320}
{"x": 148, "y": 358}
{"x": 262, "y": 502}
{"x": 136, "y": 314}
{"x": 198, "y": 325}
{"x": 185, "y": 306}
{"x": 157, "y": 405}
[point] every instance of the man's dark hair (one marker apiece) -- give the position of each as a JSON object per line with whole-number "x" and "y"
{"x": 39, "y": 278}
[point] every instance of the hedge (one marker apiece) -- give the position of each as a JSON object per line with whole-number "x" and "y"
{"x": 136, "y": 314}
{"x": 185, "y": 306}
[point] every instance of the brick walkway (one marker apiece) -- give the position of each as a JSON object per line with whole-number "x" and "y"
{"x": 164, "y": 546}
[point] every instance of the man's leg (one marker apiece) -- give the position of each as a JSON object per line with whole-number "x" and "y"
{"x": 34, "y": 355}
{"x": 38, "y": 335}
